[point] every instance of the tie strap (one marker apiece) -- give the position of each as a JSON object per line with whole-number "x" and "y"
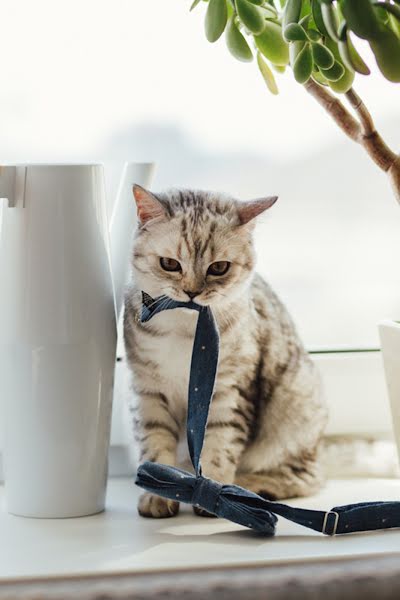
{"x": 231, "y": 501}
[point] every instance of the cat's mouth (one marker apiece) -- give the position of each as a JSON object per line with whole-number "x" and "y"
{"x": 204, "y": 298}
{"x": 197, "y": 300}
{"x": 189, "y": 300}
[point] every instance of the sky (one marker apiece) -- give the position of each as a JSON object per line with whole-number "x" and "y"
{"x": 73, "y": 72}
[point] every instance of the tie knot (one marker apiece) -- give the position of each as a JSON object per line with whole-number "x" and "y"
{"x": 206, "y": 493}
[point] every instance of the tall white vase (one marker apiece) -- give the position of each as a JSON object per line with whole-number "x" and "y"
{"x": 57, "y": 338}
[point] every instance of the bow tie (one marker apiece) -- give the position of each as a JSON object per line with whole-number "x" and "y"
{"x": 231, "y": 501}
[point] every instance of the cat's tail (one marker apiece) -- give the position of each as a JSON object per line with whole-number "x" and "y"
{"x": 348, "y": 457}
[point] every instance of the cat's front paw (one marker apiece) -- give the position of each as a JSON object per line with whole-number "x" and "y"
{"x": 200, "y": 512}
{"x": 155, "y": 507}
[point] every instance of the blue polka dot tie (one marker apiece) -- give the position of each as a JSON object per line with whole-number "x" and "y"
{"x": 231, "y": 501}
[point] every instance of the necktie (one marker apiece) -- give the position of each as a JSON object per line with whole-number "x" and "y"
{"x": 231, "y": 501}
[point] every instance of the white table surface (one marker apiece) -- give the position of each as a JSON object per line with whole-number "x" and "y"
{"x": 119, "y": 540}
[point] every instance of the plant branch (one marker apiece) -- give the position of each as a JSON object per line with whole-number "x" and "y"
{"x": 361, "y": 130}
{"x": 373, "y": 143}
{"x": 364, "y": 115}
{"x": 339, "y": 113}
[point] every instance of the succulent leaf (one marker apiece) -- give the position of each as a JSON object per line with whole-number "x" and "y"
{"x": 330, "y": 19}
{"x": 236, "y": 42}
{"x": 349, "y": 55}
{"x": 272, "y": 45}
{"x": 291, "y": 13}
{"x": 361, "y": 18}
{"x": 294, "y": 33}
{"x": 386, "y": 48}
{"x": 267, "y": 74}
{"x": 390, "y": 8}
{"x": 344, "y": 83}
{"x": 216, "y": 18}
{"x": 194, "y": 4}
{"x": 313, "y": 35}
{"x": 251, "y": 16}
{"x": 322, "y": 56}
{"x": 303, "y": 65}
{"x": 319, "y": 78}
{"x": 317, "y": 16}
{"x": 334, "y": 73}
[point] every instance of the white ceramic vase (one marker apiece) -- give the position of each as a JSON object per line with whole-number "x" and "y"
{"x": 58, "y": 334}
{"x": 389, "y": 332}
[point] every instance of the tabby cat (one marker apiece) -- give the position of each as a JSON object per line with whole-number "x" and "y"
{"x": 267, "y": 414}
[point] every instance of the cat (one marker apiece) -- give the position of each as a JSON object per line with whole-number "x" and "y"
{"x": 268, "y": 414}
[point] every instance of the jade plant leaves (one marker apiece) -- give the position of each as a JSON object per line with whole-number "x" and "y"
{"x": 272, "y": 45}
{"x": 322, "y": 56}
{"x": 291, "y": 13}
{"x": 216, "y": 18}
{"x": 317, "y": 16}
{"x": 294, "y": 33}
{"x": 194, "y": 4}
{"x": 316, "y": 37}
{"x": 303, "y": 64}
{"x": 390, "y": 8}
{"x": 386, "y": 47}
{"x": 236, "y": 42}
{"x": 342, "y": 83}
{"x": 267, "y": 74}
{"x": 348, "y": 54}
{"x": 361, "y": 18}
{"x": 252, "y": 16}
{"x": 334, "y": 73}
{"x": 330, "y": 19}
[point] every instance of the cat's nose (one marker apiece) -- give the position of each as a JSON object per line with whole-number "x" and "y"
{"x": 192, "y": 294}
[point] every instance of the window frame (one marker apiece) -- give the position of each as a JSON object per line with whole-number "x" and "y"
{"x": 353, "y": 383}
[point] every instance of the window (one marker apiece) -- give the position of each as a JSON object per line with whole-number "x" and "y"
{"x": 330, "y": 246}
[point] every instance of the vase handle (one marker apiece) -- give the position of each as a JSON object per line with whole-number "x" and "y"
{"x": 12, "y": 185}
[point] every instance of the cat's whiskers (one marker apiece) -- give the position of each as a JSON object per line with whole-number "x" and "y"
{"x": 228, "y": 317}
{"x": 165, "y": 303}
{"x": 219, "y": 293}
{"x": 162, "y": 297}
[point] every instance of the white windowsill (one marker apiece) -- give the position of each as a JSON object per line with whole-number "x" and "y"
{"x": 118, "y": 540}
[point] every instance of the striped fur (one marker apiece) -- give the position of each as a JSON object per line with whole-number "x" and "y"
{"x": 267, "y": 415}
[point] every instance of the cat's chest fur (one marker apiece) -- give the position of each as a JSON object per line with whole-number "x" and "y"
{"x": 171, "y": 349}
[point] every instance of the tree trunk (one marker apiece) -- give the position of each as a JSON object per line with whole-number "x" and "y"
{"x": 361, "y": 130}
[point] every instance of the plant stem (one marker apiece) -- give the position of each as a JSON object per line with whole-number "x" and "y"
{"x": 366, "y": 120}
{"x": 379, "y": 151}
{"x": 335, "y": 108}
{"x": 361, "y": 130}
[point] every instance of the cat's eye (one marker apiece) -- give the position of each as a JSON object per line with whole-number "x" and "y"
{"x": 218, "y": 268}
{"x": 170, "y": 264}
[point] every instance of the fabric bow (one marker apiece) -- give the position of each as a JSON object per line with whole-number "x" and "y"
{"x": 233, "y": 502}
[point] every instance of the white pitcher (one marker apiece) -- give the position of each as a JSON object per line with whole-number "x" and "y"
{"x": 58, "y": 313}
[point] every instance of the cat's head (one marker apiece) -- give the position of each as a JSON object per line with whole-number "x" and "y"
{"x": 194, "y": 244}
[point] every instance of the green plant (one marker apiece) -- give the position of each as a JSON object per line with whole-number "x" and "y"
{"x": 315, "y": 39}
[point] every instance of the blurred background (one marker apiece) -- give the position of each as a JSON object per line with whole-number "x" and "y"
{"x": 116, "y": 80}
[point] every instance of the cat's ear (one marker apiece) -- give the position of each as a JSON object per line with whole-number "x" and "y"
{"x": 148, "y": 206}
{"x": 247, "y": 211}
